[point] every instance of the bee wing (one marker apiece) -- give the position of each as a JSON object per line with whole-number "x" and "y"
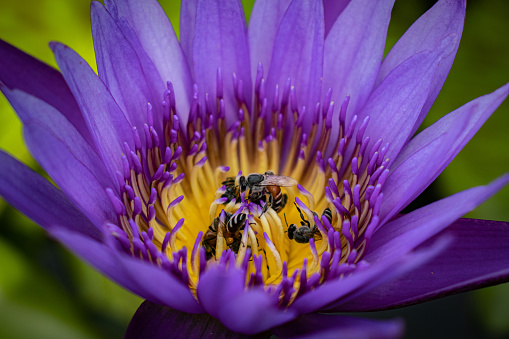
{"x": 278, "y": 180}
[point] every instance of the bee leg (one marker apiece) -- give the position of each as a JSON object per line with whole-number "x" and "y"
{"x": 304, "y": 222}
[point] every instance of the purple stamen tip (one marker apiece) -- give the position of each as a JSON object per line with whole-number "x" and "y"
{"x": 153, "y": 196}
{"x": 151, "y": 213}
{"x": 148, "y": 137}
{"x": 219, "y": 83}
{"x": 117, "y": 203}
{"x": 167, "y": 155}
{"x": 137, "y": 140}
{"x": 137, "y": 206}
{"x": 362, "y": 129}
{"x": 177, "y": 153}
{"x": 259, "y": 77}
{"x": 201, "y": 162}
{"x": 344, "y": 107}
{"x": 280, "y": 121}
{"x": 275, "y": 102}
{"x": 293, "y": 99}
{"x": 351, "y": 128}
{"x": 130, "y": 191}
{"x": 316, "y": 114}
{"x": 134, "y": 228}
{"x": 328, "y": 119}
{"x": 136, "y": 162}
{"x": 261, "y": 92}
{"x": 150, "y": 115}
{"x": 341, "y": 147}
{"x": 155, "y": 137}
{"x": 126, "y": 167}
{"x": 326, "y": 101}
{"x": 176, "y": 201}
{"x": 355, "y": 166}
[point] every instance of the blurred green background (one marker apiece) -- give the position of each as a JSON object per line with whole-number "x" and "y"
{"x": 45, "y": 287}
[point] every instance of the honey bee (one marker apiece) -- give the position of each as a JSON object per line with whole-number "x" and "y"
{"x": 305, "y": 232}
{"x": 260, "y": 187}
{"x": 231, "y": 228}
{"x": 328, "y": 214}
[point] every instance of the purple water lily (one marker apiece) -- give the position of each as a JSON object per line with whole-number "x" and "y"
{"x": 256, "y": 175}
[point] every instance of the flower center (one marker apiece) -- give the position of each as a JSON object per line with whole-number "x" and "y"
{"x": 276, "y": 193}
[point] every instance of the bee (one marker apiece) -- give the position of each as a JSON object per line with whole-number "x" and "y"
{"x": 232, "y": 235}
{"x": 260, "y": 187}
{"x": 305, "y": 232}
{"x": 328, "y": 214}
{"x": 231, "y": 228}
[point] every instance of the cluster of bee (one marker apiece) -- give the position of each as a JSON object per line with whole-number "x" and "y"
{"x": 259, "y": 187}
{"x": 305, "y": 232}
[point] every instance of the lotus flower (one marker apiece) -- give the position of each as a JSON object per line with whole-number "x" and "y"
{"x": 256, "y": 175}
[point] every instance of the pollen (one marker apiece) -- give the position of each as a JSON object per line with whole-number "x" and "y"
{"x": 271, "y": 192}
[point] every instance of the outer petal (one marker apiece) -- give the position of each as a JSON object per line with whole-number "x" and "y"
{"x": 106, "y": 122}
{"x": 395, "y": 105}
{"x": 121, "y": 70}
{"x": 476, "y": 258}
{"x": 328, "y": 296}
{"x": 187, "y": 28}
{"x": 427, "y": 154}
{"x": 156, "y": 321}
{"x": 353, "y": 51}
{"x": 42, "y": 202}
{"x": 157, "y": 37}
{"x": 444, "y": 18}
{"x": 340, "y": 327}
{"x": 332, "y": 9}
{"x": 298, "y": 53}
{"x": 19, "y": 70}
{"x": 263, "y": 27}
{"x": 69, "y": 173}
{"x": 146, "y": 280}
{"x": 220, "y": 40}
{"x": 35, "y": 111}
{"x": 405, "y": 233}
{"x": 222, "y": 294}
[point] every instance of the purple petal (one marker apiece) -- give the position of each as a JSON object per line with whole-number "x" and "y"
{"x": 107, "y": 124}
{"x": 187, "y": 27}
{"x": 156, "y": 321}
{"x": 35, "y": 111}
{"x": 338, "y": 326}
{"x": 157, "y": 37}
{"x": 353, "y": 52}
{"x": 145, "y": 279}
{"x": 476, "y": 258}
{"x": 19, "y": 70}
{"x": 69, "y": 173}
{"x": 263, "y": 27}
{"x": 405, "y": 233}
{"x": 394, "y": 106}
{"x": 256, "y": 311}
{"x": 298, "y": 53}
{"x": 331, "y": 295}
{"x": 220, "y": 40}
{"x": 121, "y": 70}
{"x": 332, "y": 9}
{"x": 222, "y": 293}
{"x": 444, "y": 18}
{"x": 42, "y": 202}
{"x": 427, "y": 154}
